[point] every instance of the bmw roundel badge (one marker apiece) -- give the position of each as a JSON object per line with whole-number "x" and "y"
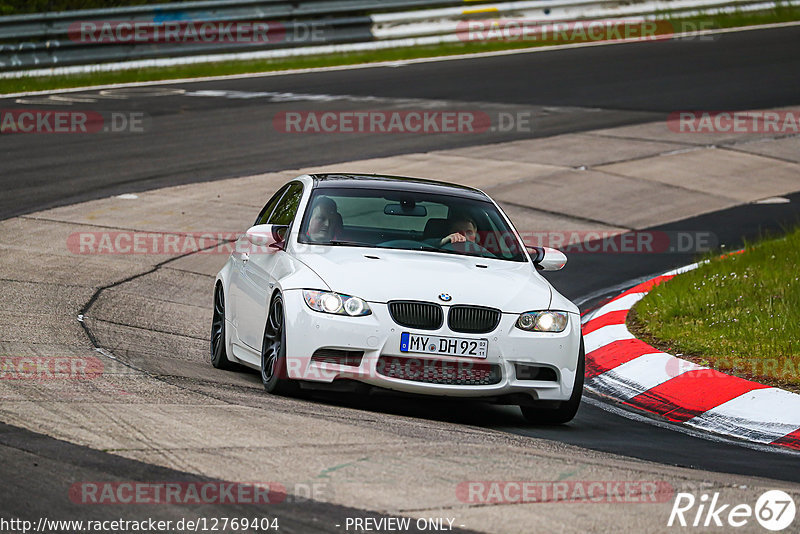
{"x": 444, "y": 297}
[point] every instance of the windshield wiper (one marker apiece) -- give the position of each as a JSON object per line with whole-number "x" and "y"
{"x": 345, "y": 243}
{"x": 420, "y": 246}
{"x": 340, "y": 242}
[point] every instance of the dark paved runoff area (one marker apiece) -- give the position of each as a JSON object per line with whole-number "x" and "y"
{"x": 191, "y": 139}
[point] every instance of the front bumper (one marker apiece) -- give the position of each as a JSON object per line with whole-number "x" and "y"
{"x": 377, "y": 335}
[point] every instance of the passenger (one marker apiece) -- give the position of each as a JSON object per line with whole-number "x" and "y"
{"x": 325, "y": 220}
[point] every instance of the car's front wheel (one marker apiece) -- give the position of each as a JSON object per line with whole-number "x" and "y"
{"x": 273, "y": 352}
{"x": 219, "y": 353}
{"x": 566, "y": 411}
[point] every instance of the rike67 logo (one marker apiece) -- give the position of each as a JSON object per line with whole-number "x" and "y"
{"x": 774, "y": 510}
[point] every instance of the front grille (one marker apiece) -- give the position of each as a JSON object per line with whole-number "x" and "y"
{"x": 473, "y": 319}
{"x": 338, "y": 356}
{"x": 457, "y": 373}
{"x": 422, "y": 315}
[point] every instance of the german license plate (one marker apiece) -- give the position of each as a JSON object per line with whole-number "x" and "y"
{"x": 449, "y": 346}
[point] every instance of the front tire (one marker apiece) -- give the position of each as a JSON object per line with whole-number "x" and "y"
{"x": 567, "y": 410}
{"x": 219, "y": 352}
{"x": 273, "y": 352}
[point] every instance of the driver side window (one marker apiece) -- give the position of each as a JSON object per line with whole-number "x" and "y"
{"x": 287, "y": 208}
{"x": 263, "y": 217}
{"x": 284, "y": 212}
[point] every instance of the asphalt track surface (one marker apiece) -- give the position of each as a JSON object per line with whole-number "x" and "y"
{"x": 200, "y": 139}
{"x": 191, "y": 139}
{"x": 38, "y": 473}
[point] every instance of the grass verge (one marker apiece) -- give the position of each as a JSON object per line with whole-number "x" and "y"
{"x": 737, "y": 314}
{"x": 705, "y": 22}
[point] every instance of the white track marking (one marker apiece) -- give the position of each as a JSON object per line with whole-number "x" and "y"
{"x": 643, "y": 373}
{"x": 754, "y": 413}
{"x": 620, "y": 304}
{"x": 603, "y": 336}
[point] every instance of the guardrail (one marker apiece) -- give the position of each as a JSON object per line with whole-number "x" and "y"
{"x": 223, "y": 30}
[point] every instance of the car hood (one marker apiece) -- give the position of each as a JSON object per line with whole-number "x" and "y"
{"x": 381, "y": 275}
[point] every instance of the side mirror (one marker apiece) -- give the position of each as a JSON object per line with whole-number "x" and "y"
{"x": 266, "y": 235}
{"x": 547, "y": 259}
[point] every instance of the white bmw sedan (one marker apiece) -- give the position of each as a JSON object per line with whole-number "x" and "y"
{"x": 399, "y": 283}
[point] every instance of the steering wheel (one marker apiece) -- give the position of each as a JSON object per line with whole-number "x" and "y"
{"x": 467, "y": 247}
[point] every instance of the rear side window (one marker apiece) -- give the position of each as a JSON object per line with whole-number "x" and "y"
{"x": 286, "y": 209}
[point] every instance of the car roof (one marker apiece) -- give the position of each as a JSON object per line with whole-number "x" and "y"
{"x": 394, "y": 183}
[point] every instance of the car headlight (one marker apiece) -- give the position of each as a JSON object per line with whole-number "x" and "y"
{"x": 543, "y": 321}
{"x": 335, "y": 303}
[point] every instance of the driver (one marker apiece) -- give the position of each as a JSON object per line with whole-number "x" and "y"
{"x": 325, "y": 220}
{"x": 462, "y": 228}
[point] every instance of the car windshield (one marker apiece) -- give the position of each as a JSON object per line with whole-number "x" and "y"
{"x": 408, "y": 221}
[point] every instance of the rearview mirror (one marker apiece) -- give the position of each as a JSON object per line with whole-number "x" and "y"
{"x": 547, "y": 259}
{"x": 408, "y": 209}
{"x": 266, "y": 235}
